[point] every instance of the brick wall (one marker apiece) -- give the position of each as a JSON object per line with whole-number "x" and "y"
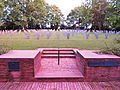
{"x": 80, "y": 61}
{"x": 3, "y": 70}
{"x": 37, "y": 62}
{"x": 102, "y": 73}
{"x": 27, "y": 69}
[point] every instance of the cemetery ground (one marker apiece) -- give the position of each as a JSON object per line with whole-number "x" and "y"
{"x": 72, "y": 65}
{"x": 57, "y": 39}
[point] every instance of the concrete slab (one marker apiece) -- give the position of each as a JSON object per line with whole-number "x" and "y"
{"x": 89, "y": 54}
{"x": 20, "y": 54}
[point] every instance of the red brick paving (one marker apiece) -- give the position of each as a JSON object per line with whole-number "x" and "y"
{"x": 50, "y": 68}
{"x": 60, "y": 85}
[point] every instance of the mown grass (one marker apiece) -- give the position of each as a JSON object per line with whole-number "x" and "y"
{"x": 19, "y": 41}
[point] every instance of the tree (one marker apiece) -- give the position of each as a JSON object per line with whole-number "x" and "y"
{"x": 54, "y": 16}
{"x": 73, "y": 16}
{"x": 1, "y": 7}
{"x": 1, "y": 11}
{"x": 99, "y": 14}
{"x": 105, "y": 13}
{"x": 113, "y": 14}
{"x": 57, "y": 14}
{"x": 80, "y": 15}
{"x": 40, "y": 11}
{"x": 12, "y": 13}
{"x": 23, "y": 13}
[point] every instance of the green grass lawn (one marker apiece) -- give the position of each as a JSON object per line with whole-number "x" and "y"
{"x": 19, "y": 41}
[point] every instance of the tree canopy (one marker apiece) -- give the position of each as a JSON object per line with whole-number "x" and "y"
{"x": 102, "y": 14}
{"x": 19, "y": 14}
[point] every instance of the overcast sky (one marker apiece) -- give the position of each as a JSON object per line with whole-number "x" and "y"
{"x": 65, "y": 5}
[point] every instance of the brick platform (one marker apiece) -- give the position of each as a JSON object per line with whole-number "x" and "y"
{"x": 42, "y": 65}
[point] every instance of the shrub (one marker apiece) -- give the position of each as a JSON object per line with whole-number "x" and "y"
{"x": 4, "y": 49}
{"x": 113, "y": 48}
{"x": 116, "y": 49}
{"x": 117, "y": 40}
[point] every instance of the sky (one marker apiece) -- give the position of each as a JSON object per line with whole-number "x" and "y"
{"x": 65, "y": 5}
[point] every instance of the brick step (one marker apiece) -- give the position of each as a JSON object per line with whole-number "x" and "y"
{"x": 56, "y": 52}
{"x": 59, "y": 74}
{"x": 57, "y": 80}
{"x": 59, "y": 50}
{"x": 56, "y": 56}
{"x": 59, "y": 77}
